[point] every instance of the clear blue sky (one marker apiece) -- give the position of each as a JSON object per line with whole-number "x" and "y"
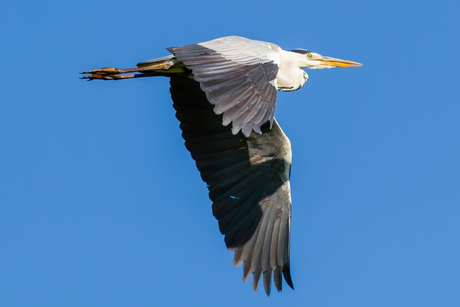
{"x": 101, "y": 204}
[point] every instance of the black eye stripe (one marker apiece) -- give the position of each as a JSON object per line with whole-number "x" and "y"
{"x": 301, "y": 51}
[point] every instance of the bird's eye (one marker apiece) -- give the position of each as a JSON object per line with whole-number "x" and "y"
{"x": 310, "y": 55}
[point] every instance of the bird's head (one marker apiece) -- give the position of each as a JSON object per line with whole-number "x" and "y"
{"x": 313, "y": 60}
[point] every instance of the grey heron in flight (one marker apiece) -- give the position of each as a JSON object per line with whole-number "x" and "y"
{"x": 246, "y": 165}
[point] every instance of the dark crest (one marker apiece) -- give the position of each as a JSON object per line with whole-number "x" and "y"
{"x": 301, "y": 51}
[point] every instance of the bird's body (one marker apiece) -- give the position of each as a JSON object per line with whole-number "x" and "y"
{"x": 246, "y": 166}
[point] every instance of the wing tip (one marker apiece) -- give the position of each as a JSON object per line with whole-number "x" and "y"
{"x": 268, "y": 281}
{"x": 287, "y": 275}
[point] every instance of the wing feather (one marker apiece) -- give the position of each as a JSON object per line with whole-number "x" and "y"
{"x": 248, "y": 181}
{"x": 229, "y": 66}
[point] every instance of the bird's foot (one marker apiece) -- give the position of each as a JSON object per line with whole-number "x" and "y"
{"x": 109, "y": 73}
{"x": 112, "y": 73}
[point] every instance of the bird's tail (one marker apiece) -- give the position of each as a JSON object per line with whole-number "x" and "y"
{"x": 164, "y": 66}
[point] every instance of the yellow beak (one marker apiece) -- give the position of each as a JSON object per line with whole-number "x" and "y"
{"x": 327, "y": 61}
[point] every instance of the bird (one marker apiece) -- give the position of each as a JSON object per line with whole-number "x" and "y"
{"x": 224, "y": 92}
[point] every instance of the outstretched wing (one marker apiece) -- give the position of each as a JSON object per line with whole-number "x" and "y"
{"x": 248, "y": 181}
{"x": 238, "y": 76}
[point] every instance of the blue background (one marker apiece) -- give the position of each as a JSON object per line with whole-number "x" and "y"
{"x": 101, "y": 204}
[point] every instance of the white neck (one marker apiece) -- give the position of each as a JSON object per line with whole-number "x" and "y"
{"x": 291, "y": 76}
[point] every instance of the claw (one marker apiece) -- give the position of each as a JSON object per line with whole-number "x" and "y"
{"x": 104, "y": 70}
{"x": 107, "y": 73}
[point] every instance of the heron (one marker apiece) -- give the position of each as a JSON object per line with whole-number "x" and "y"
{"x": 224, "y": 92}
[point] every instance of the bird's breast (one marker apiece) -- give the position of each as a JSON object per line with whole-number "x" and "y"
{"x": 291, "y": 79}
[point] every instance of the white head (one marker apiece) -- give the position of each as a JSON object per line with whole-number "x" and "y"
{"x": 313, "y": 60}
